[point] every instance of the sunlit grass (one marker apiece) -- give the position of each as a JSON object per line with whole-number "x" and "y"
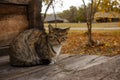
{"x": 102, "y": 25}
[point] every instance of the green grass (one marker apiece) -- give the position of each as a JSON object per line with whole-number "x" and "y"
{"x": 77, "y": 25}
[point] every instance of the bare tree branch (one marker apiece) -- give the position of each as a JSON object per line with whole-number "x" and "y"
{"x": 51, "y": 1}
{"x": 89, "y": 15}
{"x": 54, "y": 15}
{"x": 85, "y": 9}
{"x": 91, "y": 12}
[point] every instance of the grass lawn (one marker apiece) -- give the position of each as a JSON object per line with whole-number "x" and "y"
{"x": 113, "y": 24}
{"x": 76, "y": 43}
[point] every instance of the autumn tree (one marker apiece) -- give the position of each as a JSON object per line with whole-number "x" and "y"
{"x": 73, "y": 14}
{"x": 89, "y": 15}
{"x": 109, "y": 6}
{"x": 70, "y": 14}
{"x": 65, "y": 14}
{"x": 80, "y": 14}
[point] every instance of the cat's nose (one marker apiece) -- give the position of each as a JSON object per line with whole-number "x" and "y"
{"x": 59, "y": 41}
{"x": 63, "y": 39}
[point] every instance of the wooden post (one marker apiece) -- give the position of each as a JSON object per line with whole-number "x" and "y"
{"x": 34, "y": 15}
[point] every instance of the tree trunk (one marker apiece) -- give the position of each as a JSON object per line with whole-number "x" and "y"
{"x": 90, "y": 40}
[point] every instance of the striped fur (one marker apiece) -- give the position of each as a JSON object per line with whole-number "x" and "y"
{"x": 33, "y": 47}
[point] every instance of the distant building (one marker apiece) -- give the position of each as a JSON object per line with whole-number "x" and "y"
{"x": 51, "y": 19}
{"x": 106, "y": 17}
{"x": 65, "y": 21}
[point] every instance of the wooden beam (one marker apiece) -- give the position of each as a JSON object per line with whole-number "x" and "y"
{"x": 23, "y": 2}
{"x": 34, "y": 9}
{"x": 35, "y": 17}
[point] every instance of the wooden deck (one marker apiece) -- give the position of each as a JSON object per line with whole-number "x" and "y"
{"x": 68, "y": 67}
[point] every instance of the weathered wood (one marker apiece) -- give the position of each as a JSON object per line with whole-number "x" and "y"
{"x": 23, "y": 2}
{"x": 11, "y": 9}
{"x": 68, "y": 67}
{"x": 35, "y": 17}
{"x": 34, "y": 11}
{"x": 17, "y": 16}
{"x": 4, "y": 50}
{"x": 13, "y": 20}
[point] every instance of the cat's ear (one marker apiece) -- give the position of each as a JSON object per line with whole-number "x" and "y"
{"x": 67, "y": 29}
{"x": 50, "y": 28}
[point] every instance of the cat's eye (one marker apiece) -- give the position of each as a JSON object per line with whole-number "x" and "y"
{"x": 60, "y": 35}
{"x": 50, "y": 36}
{"x": 56, "y": 34}
{"x": 64, "y": 38}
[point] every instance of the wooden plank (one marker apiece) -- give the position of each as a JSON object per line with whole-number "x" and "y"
{"x": 66, "y": 64}
{"x": 22, "y": 2}
{"x": 13, "y": 20}
{"x": 8, "y": 9}
{"x": 109, "y": 70}
{"x": 9, "y": 72}
{"x": 4, "y": 50}
{"x": 17, "y": 16}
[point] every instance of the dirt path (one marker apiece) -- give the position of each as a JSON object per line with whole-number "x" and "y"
{"x": 111, "y": 28}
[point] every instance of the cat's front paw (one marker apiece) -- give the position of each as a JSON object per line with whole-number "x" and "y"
{"x": 45, "y": 61}
{"x": 52, "y": 62}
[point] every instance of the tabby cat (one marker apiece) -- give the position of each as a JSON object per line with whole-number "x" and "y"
{"x": 33, "y": 47}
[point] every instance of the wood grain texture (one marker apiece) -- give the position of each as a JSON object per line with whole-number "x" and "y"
{"x": 68, "y": 67}
{"x": 17, "y": 16}
{"x": 8, "y": 9}
{"x": 23, "y": 2}
{"x": 13, "y": 20}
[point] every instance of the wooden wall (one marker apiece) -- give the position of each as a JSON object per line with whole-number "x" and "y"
{"x": 18, "y": 15}
{"x": 15, "y": 1}
{"x": 13, "y": 20}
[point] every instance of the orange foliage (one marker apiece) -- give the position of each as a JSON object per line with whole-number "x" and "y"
{"x": 76, "y": 44}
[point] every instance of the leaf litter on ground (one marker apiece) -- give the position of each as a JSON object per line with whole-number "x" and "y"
{"x": 76, "y": 43}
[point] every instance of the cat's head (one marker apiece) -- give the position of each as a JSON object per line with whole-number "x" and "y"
{"x": 57, "y": 36}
